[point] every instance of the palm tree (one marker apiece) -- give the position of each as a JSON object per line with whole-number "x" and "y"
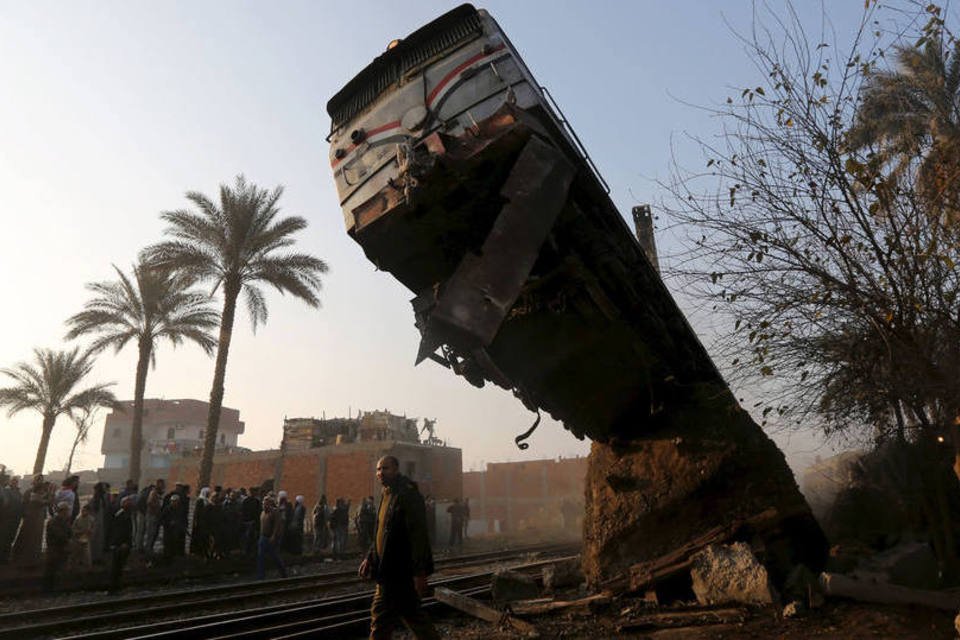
{"x": 154, "y": 305}
{"x": 237, "y": 244}
{"x": 910, "y": 116}
{"x": 48, "y": 386}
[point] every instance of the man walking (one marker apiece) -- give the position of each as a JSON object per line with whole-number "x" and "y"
{"x": 400, "y": 558}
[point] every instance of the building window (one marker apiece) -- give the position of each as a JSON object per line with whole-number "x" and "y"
{"x": 115, "y": 461}
{"x": 160, "y": 462}
{"x": 411, "y": 469}
{"x": 171, "y": 433}
{"x": 202, "y": 432}
{"x": 116, "y": 432}
{"x": 223, "y": 438}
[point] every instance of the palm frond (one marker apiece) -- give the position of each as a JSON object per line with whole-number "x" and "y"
{"x": 47, "y": 384}
{"x": 256, "y": 306}
{"x": 238, "y": 239}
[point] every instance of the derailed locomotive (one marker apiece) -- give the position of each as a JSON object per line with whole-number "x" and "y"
{"x": 458, "y": 175}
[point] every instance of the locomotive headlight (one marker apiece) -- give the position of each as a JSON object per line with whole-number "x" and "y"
{"x": 393, "y": 43}
{"x": 413, "y": 119}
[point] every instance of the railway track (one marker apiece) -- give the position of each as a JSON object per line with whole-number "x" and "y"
{"x": 164, "y": 613}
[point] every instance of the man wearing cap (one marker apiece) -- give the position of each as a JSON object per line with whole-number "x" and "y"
{"x": 399, "y": 558}
{"x": 58, "y": 539}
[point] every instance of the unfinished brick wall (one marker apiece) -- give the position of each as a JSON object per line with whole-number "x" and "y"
{"x": 300, "y": 475}
{"x": 473, "y": 486}
{"x": 247, "y": 470}
{"x": 351, "y": 475}
{"x": 342, "y": 471}
{"x": 527, "y": 495}
{"x": 437, "y": 471}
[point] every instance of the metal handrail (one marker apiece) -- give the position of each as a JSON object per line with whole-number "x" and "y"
{"x": 566, "y": 125}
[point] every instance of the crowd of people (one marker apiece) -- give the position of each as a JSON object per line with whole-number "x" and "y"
{"x": 161, "y": 524}
{"x": 101, "y": 531}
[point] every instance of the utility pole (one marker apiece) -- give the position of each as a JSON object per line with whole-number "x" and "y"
{"x": 643, "y": 222}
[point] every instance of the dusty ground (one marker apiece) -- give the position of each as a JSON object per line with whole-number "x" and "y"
{"x": 840, "y": 620}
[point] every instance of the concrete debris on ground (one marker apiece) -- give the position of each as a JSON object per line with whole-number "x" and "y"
{"x": 506, "y": 586}
{"x": 729, "y": 573}
{"x": 559, "y": 575}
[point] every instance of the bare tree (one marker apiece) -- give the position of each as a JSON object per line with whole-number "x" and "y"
{"x": 835, "y": 266}
{"x": 836, "y": 277}
{"x": 83, "y": 418}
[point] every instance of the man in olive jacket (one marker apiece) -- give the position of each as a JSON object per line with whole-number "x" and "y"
{"x": 400, "y": 558}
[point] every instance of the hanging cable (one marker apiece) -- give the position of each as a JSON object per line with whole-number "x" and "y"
{"x": 526, "y": 434}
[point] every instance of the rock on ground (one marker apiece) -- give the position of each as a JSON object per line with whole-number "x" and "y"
{"x": 729, "y": 573}
{"x": 507, "y": 586}
{"x": 562, "y": 574}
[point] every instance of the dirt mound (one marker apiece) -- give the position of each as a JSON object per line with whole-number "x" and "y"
{"x": 708, "y": 465}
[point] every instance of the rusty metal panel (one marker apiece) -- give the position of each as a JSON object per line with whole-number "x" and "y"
{"x": 478, "y": 296}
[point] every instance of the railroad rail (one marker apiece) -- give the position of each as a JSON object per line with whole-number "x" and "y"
{"x": 165, "y": 611}
{"x": 329, "y": 617}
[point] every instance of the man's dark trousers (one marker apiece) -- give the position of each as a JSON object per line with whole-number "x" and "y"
{"x": 396, "y": 603}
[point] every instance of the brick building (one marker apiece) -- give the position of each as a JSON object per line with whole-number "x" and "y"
{"x": 529, "y": 495}
{"x": 171, "y": 428}
{"x": 336, "y": 457}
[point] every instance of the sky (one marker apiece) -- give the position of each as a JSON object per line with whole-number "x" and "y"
{"x": 110, "y": 111}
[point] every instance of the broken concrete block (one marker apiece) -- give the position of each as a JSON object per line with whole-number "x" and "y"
{"x": 562, "y": 574}
{"x": 507, "y": 586}
{"x": 729, "y": 573}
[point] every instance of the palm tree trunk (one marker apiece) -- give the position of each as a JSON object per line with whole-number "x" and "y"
{"x": 231, "y": 291}
{"x": 136, "y": 430}
{"x": 48, "y": 422}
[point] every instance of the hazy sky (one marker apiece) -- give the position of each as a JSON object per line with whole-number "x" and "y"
{"x": 110, "y": 111}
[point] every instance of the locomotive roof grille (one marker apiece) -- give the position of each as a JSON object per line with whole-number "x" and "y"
{"x": 446, "y": 31}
